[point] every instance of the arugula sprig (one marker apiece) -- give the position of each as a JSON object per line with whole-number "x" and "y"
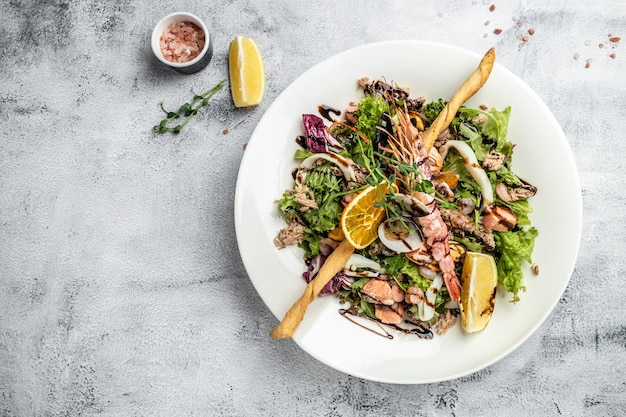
{"x": 187, "y": 110}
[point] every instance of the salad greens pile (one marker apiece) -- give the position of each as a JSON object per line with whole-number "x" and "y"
{"x": 327, "y": 191}
{"x": 512, "y": 247}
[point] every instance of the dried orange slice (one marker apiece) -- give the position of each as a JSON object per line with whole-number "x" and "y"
{"x": 246, "y": 72}
{"x": 360, "y": 219}
{"x": 478, "y": 291}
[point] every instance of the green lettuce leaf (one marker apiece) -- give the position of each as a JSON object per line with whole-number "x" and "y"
{"x": 494, "y": 128}
{"x": 370, "y": 109}
{"x": 514, "y": 248}
{"x": 400, "y": 263}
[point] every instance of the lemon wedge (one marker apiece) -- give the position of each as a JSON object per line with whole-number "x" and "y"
{"x": 246, "y": 72}
{"x": 478, "y": 291}
{"x": 361, "y": 217}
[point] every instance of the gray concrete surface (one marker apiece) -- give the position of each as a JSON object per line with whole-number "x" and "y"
{"x": 122, "y": 292}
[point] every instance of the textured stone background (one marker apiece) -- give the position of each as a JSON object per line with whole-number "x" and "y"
{"x": 122, "y": 292}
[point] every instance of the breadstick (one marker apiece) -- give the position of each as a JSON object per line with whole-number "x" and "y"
{"x": 334, "y": 263}
{"x": 472, "y": 84}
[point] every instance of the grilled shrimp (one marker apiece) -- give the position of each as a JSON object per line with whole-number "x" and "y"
{"x": 407, "y": 146}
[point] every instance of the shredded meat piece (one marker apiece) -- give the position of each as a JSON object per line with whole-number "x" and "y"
{"x": 515, "y": 193}
{"x": 378, "y": 248}
{"x": 464, "y": 223}
{"x": 363, "y": 83}
{"x": 445, "y": 322}
{"x": 305, "y": 198}
{"x": 350, "y": 114}
{"x": 359, "y": 173}
{"x": 493, "y": 161}
{"x": 290, "y": 235}
{"x": 443, "y": 137}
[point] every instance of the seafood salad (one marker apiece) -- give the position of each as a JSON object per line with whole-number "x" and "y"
{"x": 440, "y": 202}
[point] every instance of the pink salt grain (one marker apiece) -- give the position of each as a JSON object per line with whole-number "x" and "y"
{"x": 181, "y": 42}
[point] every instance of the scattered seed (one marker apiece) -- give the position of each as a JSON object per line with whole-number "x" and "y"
{"x": 485, "y": 35}
{"x": 588, "y": 63}
{"x": 612, "y": 56}
{"x": 487, "y": 23}
{"x": 601, "y": 45}
{"x": 245, "y": 145}
{"x": 615, "y": 39}
{"x": 492, "y": 8}
{"x": 535, "y": 268}
{"x": 519, "y": 23}
{"x": 483, "y": 107}
{"x": 497, "y": 31}
{"x": 525, "y": 38}
{"x": 531, "y": 31}
{"x": 225, "y": 131}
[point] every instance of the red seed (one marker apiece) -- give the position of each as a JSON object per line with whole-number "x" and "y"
{"x": 615, "y": 39}
{"x": 612, "y": 56}
{"x": 492, "y": 8}
{"x": 531, "y": 31}
{"x": 225, "y": 131}
{"x": 601, "y": 45}
{"x": 497, "y": 31}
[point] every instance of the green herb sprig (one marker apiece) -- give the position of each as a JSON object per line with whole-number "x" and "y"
{"x": 187, "y": 110}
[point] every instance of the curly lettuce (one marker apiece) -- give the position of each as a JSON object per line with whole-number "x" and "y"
{"x": 515, "y": 248}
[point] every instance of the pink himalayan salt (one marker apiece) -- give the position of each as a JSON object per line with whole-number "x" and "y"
{"x": 181, "y": 42}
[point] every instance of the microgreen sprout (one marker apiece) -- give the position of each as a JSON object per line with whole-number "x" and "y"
{"x": 187, "y": 110}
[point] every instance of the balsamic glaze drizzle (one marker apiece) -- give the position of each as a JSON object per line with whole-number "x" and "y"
{"x": 419, "y": 331}
{"x": 325, "y": 111}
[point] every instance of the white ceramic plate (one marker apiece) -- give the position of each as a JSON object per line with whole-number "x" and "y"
{"x": 542, "y": 156}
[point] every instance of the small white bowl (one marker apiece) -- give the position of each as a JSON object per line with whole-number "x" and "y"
{"x": 189, "y": 67}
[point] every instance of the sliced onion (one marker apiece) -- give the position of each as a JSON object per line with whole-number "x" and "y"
{"x": 357, "y": 261}
{"x": 345, "y": 164}
{"x": 426, "y": 307}
{"x": 401, "y": 245}
{"x": 473, "y": 167}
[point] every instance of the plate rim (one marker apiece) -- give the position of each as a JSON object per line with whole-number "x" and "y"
{"x": 575, "y": 180}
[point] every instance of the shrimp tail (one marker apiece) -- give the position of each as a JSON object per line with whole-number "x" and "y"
{"x": 453, "y": 285}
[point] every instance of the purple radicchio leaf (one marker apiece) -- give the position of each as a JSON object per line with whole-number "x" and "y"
{"x": 317, "y": 138}
{"x": 339, "y": 281}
